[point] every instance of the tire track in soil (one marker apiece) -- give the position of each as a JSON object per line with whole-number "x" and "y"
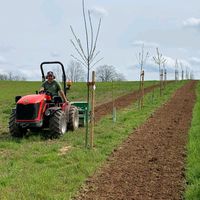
{"x": 150, "y": 163}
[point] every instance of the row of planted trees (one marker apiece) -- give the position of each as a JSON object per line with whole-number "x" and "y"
{"x": 87, "y": 55}
{"x": 161, "y": 61}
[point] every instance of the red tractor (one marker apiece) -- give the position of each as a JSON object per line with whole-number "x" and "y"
{"x": 40, "y": 111}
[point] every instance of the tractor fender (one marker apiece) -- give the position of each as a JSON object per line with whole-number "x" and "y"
{"x": 51, "y": 111}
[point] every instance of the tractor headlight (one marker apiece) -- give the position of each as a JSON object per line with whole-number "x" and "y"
{"x": 47, "y": 113}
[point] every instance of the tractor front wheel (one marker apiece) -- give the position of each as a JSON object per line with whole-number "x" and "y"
{"x": 57, "y": 123}
{"x": 73, "y": 118}
{"x": 14, "y": 129}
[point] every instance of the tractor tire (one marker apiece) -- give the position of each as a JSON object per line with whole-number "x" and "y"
{"x": 57, "y": 123}
{"x": 73, "y": 123}
{"x": 14, "y": 129}
{"x": 35, "y": 130}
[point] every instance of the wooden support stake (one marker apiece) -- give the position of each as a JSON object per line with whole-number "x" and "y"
{"x": 139, "y": 94}
{"x": 92, "y": 110}
{"x": 113, "y": 104}
{"x": 142, "y": 89}
{"x": 161, "y": 82}
{"x": 165, "y": 78}
{"x": 162, "y": 78}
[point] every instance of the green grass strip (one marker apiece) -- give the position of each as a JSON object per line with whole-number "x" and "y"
{"x": 32, "y": 168}
{"x": 193, "y": 154}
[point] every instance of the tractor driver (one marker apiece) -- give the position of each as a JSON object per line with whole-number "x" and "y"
{"x": 53, "y": 86}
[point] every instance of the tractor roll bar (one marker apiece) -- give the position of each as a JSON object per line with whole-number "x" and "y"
{"x": 63, "y": 71}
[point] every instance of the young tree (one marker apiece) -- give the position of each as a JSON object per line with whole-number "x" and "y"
{"x": 182, "y": 71}
{"x": 176, "y": 71}
{"x": 142, "y": 60}
{"x": 160, "y": 60}
{"x": 187, "y": 73}
{"x": 165, "y": 74}
{"x": 87, "y": 56}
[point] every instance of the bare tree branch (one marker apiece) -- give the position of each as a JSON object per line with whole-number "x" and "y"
{"x": 141, "y": 59}
{"x": 86, "y": 30}
{"x": 88, "y": 56}
{"x": 78, "y": 42}
{"x": 159, "y": 60}
{"x": 96, "y": 63}
{"x": 95, "y": 56}
{"x": 97, "y": 35}
{"x": 92, "y": 34}
{"x": 78, "y": 51}
{"x": 79, "y": 60}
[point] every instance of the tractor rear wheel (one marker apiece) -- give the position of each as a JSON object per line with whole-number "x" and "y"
{"x": 14, "y": 129}
{"x": 73, "y": 118}
{"x": 57, "y": 123}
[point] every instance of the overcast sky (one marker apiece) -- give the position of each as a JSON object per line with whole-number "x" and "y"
{"x": 33, "y": 31}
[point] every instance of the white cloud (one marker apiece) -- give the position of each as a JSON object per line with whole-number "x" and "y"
{"x": 192, "y": 22}
{"x": 195, "y": 60}
{"x": 99, "y": 12}
{"x": 170, "y": 63}
{"x": 182, "y": 50}
{"x": 184, "y": 63}
{"x": 139, "y": 43}
{"x": 151, "y": 66}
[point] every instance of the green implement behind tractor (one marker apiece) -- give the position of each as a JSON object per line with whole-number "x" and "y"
{"x": 82, "y": 109}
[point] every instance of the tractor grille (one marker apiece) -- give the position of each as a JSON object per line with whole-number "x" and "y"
{"x": 27, "y": 112}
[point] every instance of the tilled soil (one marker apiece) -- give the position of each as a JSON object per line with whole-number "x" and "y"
{"x": 150, "y": 163}
{"x": 121, "y": 102}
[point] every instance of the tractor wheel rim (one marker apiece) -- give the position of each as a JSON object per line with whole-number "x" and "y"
{"x": 76, "y": 123}
{"x": 64, "y": 126}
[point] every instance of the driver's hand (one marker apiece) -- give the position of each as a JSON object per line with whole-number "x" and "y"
{"x": 66, "y": 101}
{"x": 41, "y": 92}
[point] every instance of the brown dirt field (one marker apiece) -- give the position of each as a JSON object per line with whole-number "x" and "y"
{"x": 121, "y": 102}
{"x": 150, "y": 163}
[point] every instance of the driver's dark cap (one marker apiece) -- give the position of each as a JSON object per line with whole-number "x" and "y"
{"x": 50, "y": 73}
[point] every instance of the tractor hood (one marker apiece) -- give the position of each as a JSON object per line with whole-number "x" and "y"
{"x": 32, "y": 99}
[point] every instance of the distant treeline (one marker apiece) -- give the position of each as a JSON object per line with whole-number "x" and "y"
{"x": 12, "y": 77}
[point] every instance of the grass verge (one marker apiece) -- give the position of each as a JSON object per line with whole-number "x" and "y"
{"x": 193, "y": 154}
{"x": 32, "y": 168}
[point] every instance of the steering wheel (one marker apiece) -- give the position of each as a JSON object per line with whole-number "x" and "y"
{"x": 45, "y": 92}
